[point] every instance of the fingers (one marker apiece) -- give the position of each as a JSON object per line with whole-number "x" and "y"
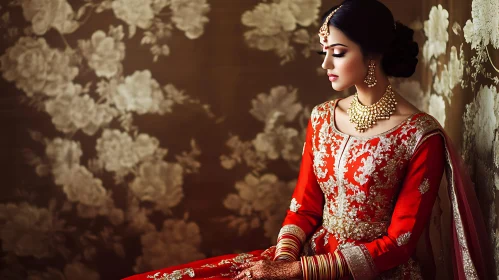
{"x": 246, "y": 265}
{"x": 243, "y": 275}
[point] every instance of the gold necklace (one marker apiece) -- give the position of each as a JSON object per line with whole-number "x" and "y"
{"x": 364, "y": 117}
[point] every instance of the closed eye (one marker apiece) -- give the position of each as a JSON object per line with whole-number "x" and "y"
{"x": 334, "y": 54}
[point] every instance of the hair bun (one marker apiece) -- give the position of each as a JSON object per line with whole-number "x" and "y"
{"x": 401, "y": 58}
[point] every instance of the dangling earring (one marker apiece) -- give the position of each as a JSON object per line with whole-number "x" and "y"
{"x": 370, "y": 79}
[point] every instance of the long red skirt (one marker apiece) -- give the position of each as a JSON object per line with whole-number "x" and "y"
{"x": 222, "y": 267}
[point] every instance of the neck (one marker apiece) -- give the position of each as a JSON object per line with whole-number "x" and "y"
{"x": 370, "y": 95}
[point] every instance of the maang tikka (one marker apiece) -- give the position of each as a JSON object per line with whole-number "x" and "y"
{"x": 370, "y": 79}
{"x": 324, "y": 30}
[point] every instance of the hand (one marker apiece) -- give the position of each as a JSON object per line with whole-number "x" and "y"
{"x": 265, "y": 269}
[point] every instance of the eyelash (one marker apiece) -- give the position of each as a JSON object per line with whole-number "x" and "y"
{"x": 335, "y": 55}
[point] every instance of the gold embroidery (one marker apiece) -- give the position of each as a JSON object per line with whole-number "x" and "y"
{"x": 403, "y": 239}
{"x": 408, "y": 270}
{"x": 344, "y": 228}
{"x": 175, "y": 275}
{"x": 359, "y": 263}
{"x": 469, "y": 267}
{"x": 425, "y": 186}
{"x": 294, "y": 206}
{"x": 294, "y": 230}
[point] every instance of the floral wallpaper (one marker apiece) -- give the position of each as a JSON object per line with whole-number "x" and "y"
{"x": 140, "y": 134}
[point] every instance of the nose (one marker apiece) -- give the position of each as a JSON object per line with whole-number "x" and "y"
{"x": 327, "y": 63}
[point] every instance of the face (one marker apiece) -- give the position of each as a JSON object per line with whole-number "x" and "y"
{"x": 343, "y": 60}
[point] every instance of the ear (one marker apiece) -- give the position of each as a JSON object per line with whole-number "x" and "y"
{"x": 376, "y": 57}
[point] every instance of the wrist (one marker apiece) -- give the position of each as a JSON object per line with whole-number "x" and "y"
{"x": 297, "y": 270}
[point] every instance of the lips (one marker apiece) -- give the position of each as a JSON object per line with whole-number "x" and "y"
{"x": 332, "y": 77}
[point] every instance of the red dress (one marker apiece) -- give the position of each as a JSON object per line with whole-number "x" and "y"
{"x": 369, "y": 198}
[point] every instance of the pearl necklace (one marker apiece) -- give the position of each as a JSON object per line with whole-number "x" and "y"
{"x": 364, "y": 117}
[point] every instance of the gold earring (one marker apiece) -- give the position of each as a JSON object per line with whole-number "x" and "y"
{"x": 370, "y": 79}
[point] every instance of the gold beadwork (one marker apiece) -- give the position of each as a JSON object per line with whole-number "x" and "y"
{"x": 344, "y": 228}
{"x": 324, "y": 30}
{"x": 364, "y": 117}
{"x": 370, "y": 79}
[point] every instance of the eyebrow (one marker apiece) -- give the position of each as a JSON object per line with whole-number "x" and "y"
{"x": 334, "y": 45}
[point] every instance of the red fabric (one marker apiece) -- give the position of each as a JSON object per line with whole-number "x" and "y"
{"x": 412, "y": 209}
{"x": 307, "y": 192}
{"x": 472, "y": 221}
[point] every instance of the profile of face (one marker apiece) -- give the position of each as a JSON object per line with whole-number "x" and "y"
{"x": 343, "y": 60}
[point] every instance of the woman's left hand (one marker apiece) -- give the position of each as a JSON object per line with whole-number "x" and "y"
{"x": 270, "y": 270}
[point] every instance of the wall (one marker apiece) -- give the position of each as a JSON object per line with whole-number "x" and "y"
{"x": 139, "y": 134}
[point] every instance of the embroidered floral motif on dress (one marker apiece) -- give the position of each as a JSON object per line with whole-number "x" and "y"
{"x": 403, "y": 239}
{"x": 424, "y": 187}
{"x": 294, "y": 205}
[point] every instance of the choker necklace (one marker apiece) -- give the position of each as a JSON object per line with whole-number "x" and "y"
{"x": 364, "y": 117}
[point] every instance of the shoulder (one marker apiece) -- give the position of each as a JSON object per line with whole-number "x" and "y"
{"x": 424, "y": 127}
{"x": 322, "y": 110}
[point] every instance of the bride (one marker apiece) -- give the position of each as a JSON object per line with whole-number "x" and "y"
{"x": 371, "y": 168}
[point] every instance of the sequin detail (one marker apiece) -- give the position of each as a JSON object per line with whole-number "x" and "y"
{"x": 425, "y": 186}
{"x": 403, "y": 239}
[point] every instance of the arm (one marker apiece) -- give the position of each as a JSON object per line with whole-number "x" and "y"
{"x": 305, "y": 211}
{"x": 410, "y": 216}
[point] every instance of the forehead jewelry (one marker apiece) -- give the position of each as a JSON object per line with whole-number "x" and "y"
{"x": 324, "y": 30}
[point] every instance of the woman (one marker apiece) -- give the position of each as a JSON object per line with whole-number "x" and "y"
{"x": 370, "y": 173}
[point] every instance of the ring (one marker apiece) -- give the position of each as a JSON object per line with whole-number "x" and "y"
{"x": 248, "y": 274}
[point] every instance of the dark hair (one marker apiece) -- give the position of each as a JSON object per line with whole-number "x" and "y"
{"x": 370, "y": 24}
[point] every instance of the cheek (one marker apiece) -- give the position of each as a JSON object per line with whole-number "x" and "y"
{"x": 351, "y": 70}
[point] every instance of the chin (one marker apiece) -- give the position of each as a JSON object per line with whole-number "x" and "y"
{"x": 338, "y": 87}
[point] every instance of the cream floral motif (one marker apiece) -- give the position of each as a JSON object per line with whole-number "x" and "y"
{"x": 119, "y": 152}
{"x": 294, "y": 206}
{"x": 140, "y": 93}
{"x": 413, "y": 92}
{"x": 176, "y": 243}
{"x": 37, "y": 68}
{"x": 104, "y": 52}
{"x": 274, "y": 25}
{"x": 275, "y": 110}
{"x": 482, "y": 29}
{"x": 435, "y": 30}
{"x": 425, "y": 186}
{"x": 190, "y": 16}
{"x": 451, "y": 75}
{"x": 136, "y": 13}
{"x": 63, "y": 155}
{"x": 83, "y": 187}
{"x": 160, "y": 182}
{"x": 483, "y": 120}
{"x": 403, "y": 239}
{"x": 28, "y": 230}
{"x": 46, "y": 14}
{"x": 437, "y": 108}
{"x": 496, "y": 155}
{"x": 74, "y": 110}
{"x": 260, "y": 199}
{"x": 280, "y": 141}
{"x": 281, "y": 100}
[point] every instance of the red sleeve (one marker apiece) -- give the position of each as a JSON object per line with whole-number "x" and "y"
{"x": 305, "y": 210}
{"x": 410, "y": 216}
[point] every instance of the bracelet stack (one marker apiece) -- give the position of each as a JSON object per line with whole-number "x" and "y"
{"x": 326, "y": 266}
{"x": 288, "y": 248}
{"x": 289, "y": 243}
